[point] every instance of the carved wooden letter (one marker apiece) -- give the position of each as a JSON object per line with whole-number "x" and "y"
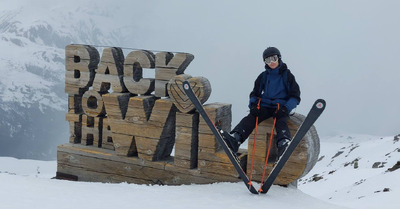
{"x": 133, "y": 72}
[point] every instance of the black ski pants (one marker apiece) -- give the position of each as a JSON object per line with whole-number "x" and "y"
{"x": 248, "y": 123}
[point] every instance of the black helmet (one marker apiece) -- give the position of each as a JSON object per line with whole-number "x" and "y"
{"x": 271, "y": 51}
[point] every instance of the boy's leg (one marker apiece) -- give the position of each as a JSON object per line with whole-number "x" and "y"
{"x": 282, "y": 129}
{"x": 283, "y": 135}
{"x": 248, "y": 123}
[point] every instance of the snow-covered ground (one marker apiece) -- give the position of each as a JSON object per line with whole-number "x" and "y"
{"x": 357, "y": 171}
{"x": 342, "y": 181}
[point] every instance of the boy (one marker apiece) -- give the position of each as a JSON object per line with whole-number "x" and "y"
{"x": 277, "y": 93}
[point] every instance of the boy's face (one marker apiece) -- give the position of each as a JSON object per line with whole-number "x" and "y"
{"x": 272, "y": 61}
{"x": 273, "y": 65}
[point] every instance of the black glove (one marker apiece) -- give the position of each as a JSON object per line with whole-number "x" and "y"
{"x": 281, "y": 112}
{"x": 254, "y": 111}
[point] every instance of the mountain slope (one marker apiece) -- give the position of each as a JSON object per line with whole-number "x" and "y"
{"x": 356, "y": 170}
{"x": 32, "y": 98}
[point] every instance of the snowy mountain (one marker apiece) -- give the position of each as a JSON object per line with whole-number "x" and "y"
{"x": 356, "y": 170}
{"x": 32, "y": 43}
{"x": 359, "y": 172}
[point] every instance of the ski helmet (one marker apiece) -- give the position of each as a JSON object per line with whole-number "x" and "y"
{"x": 270, "y": 51}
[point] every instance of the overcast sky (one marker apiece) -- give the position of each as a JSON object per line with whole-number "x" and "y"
{"x": 344, "y": 51}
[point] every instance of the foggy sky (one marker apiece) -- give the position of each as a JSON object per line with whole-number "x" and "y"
{"x": 345, "y": 52}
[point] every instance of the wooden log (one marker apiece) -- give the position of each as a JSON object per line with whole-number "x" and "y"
{"x": 296, "y": 164}
{"x": 312, "y": 143}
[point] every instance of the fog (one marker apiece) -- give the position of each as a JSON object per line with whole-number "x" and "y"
{"x": 345, "y": 52}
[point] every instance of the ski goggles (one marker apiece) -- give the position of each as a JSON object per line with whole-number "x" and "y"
{"x": 270, "y": 59}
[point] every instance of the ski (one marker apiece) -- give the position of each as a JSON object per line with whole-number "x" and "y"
{"x": 189, "y": 92}
{"x": 312, "y": 116}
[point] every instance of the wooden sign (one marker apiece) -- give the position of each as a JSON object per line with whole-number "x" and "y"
{"x": 126, "y": 127}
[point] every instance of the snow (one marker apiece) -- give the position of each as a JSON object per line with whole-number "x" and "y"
{"x": 34, "y": 34}
{"x": 349, "y": 178}
{"x": 29, "y": 183}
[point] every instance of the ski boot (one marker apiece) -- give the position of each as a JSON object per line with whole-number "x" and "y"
{"x": 232, "y": 140}
{"x": 282, "y": 145}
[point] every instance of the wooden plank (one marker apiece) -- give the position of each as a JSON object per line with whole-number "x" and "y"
{"x": 187, "y": 120}
{"x": 218, "y": 168}
{"x": 178, "y": 61}
{"x": 116, "y": 104}
{"x": 107, "y": 136}
{"x": 209, "y": 141}
{"x": 81, "y": 57}
{"x": 219, "y": 156}
{"x": 165, "y": 74}
{"x": 76, "y": 83}
{"x": 106, "y": 169}
{"x": 160, "y": 88}
{"x": 105, "y": 82}
{"x": 93, "y": 164}
{"x": 91, "y": 130}
{"x": 142, "y": 58}
{"x": 86, "y": 175}
{"x": 75, "y": 104}
{"x": 133, "y": 79}
{"x": 124, "y": 145}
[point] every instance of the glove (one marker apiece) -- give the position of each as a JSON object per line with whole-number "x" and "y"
{"x": 281, "y": 112}
{"x": 254, "y": 111}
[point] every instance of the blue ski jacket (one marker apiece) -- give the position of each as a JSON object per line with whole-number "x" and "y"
{"x": 276, "y": 86}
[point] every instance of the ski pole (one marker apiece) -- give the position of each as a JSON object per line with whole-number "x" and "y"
{"x": 269, "y": 149}
{"x": 254, "y": 143}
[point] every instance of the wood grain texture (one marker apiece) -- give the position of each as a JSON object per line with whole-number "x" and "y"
{"x": 200, "y": 85}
